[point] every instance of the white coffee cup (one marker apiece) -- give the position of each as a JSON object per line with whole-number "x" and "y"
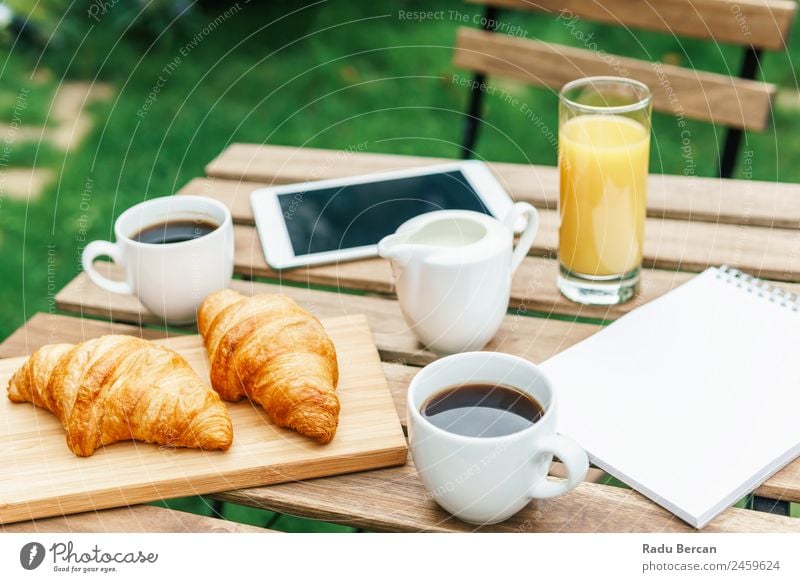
{"x": 452, "y": 272}
{"x": 484, "y": 480}
{"x": 171, "y": 280}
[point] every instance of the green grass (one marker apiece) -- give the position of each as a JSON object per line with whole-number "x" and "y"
{"x": 253, "y": 516}
{"x": 333, "y": 75}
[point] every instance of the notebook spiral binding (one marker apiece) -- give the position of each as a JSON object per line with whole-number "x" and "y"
{"x": 761, "y": 288}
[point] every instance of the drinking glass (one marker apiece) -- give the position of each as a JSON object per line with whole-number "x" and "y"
{"x": 603, "y": 152}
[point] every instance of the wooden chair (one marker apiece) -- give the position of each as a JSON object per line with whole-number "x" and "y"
{"x": 740, "y": 103}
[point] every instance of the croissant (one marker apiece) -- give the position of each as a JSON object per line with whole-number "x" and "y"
{"x": 116, "y": 388}
{"x": 268, "y": 348}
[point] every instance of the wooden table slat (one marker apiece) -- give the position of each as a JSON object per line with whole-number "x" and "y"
{"x": 744, "y": 202}
{"x": 772, "y": 257}
{"x": 395, "y": 500}
{"x": 771, "y": 253}
{"x": 134, "y": 519}
{"x": 531, "y": 337}
{"x": 533, "y": 288}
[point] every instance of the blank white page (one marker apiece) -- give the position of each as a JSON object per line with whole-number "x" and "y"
{"x": 692, "y": 399}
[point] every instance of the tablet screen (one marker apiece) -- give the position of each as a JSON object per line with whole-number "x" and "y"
{"x": 358, "y": 215}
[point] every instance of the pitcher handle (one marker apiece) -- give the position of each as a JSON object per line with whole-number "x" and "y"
{"x": 526, "y": 239}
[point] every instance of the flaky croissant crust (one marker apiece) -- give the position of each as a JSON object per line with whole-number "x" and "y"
{"x": 116, "y": 388}
{"x": 268, "y": 348}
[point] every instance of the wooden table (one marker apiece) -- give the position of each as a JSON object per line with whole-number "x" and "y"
{"x": 693, "y": 223}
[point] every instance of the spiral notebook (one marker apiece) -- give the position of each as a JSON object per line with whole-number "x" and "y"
{"x": 693, "y": 399}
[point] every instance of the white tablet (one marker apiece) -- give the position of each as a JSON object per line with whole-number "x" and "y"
{"x": 344, "y": 218}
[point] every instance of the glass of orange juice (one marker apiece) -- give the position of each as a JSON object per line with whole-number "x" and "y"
{"x": 603, "y": 153}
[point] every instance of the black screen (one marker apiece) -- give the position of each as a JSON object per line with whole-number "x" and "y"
{"x": 362, "y": 214}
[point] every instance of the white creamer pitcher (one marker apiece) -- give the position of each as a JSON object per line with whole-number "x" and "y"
{"x": 452, "y": 272}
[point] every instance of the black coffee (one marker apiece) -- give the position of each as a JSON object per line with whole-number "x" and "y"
{"x": 174, "y": 231}
{"x": 482, "y": 410}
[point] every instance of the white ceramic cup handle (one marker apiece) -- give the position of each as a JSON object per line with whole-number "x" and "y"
{"x": 102, "y": 248}
{"x": 574, "y": 459}
{"x": 526, "y": 239}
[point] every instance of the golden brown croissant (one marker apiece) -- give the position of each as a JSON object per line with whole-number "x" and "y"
{"x": 116, "y": 388}
{"x": 268, "y": 348}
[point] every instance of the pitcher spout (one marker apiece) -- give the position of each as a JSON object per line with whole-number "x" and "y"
{"x": 395, "y": 247}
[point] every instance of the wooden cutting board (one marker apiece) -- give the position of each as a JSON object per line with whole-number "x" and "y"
{"x": 40, "y": 477}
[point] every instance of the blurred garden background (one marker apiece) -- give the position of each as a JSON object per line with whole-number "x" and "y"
{"x": 106, "y": 103}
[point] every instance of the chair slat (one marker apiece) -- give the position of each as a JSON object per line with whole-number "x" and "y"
{"x": 760, "y": 23}
{"x": 710, "y": 97}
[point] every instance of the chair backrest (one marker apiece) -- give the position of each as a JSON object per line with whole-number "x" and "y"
{"x": 721, "y": 99}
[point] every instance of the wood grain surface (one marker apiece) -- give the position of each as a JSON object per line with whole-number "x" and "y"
{"x": 134, "y": 519}
{"x": 767, "y": 22}
{"x": 712, "y": 97}
{"x": 43, "y": 478}
{"x": 533, "y": 290}
{"x": 393, "y": 499}
{"x": 669, "y": 244}
{"x": 242, "y": 168}
{"x": 531, "y": 337}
